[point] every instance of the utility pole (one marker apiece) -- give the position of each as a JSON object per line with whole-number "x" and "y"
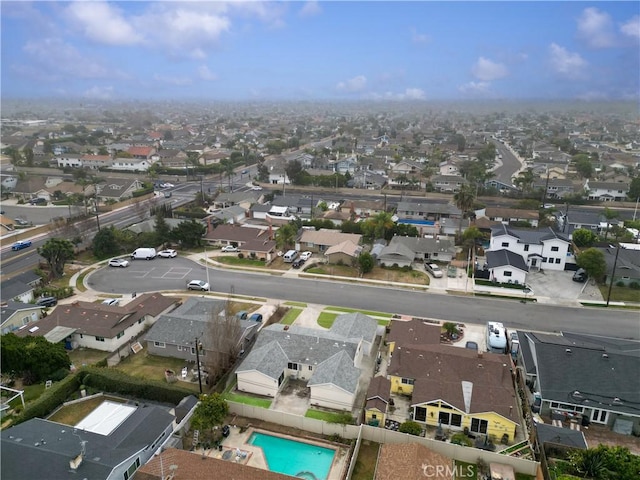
{"x": 546, "y": 186}
{"x": 613, "y": 273}
{"x": 198, "y": 345}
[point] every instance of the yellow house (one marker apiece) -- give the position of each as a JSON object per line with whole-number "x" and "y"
{"x": 412, "y": 332}
{"x": 457, "y": 389}
{"x": 378, "y": 395}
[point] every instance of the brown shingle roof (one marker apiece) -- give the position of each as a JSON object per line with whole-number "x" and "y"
{"x": 414, "y": 332}
{"x": 234, "y": 233}
{"x": 378, "y": 393}
{"x": 328, "y": 237}
{"x": 192, "y": 466}
{"x": 439, "y": 370}
{"x": 102, "y": 320}
{"x": 408, "y": 462}
{"x": 493, "y": 212}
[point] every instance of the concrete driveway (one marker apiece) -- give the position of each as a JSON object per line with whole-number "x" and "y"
{"x": 559, "y": 285}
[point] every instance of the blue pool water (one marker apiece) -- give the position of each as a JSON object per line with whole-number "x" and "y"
{"x": 294, "y": 458}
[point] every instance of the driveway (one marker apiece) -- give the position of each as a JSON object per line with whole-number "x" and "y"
{"x": 559, "y": 285}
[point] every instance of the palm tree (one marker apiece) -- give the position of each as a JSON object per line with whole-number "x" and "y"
{"x": 609, "y": 215}
{"x": 464, "y": 201}
{"x": 380, "y": 224}
{"x": 286, "y": 236}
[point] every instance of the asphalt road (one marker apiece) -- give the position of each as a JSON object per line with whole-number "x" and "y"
{"x": 174, "y": 274}
{"x": 510, "y": 164}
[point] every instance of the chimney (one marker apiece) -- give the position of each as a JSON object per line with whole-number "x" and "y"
{"x": 75, "y": 462}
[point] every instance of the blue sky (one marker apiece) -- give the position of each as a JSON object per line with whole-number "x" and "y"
{"x": 404, "y": 51}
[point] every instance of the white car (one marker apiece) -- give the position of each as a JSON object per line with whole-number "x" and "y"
{"x": 168, "y": 253}
{"x": 256, "y": 187}
{"x": 305, "y": 255}
{"x": 433, "y": 269}
{"x": 229, "y": 248}
{"x": 198, "y": 285}
{"x": 118, "y": 262}
{"x": 167, "y": 185}
{"x": 112, "y": 302}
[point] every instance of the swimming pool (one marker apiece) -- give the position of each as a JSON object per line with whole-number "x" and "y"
{"x": 298, "y": 459}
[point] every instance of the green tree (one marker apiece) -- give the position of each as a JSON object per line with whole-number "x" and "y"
{"x": 189, "y": 233}
{"x": 590, "y": 463}
{"x": 57, "y": 252}
{"x": 294, "y": 171}
{"x": 162, "y": 229}
{"x": 210, "y": 412}
{"x": 583, "y": 165}
{"x": 609, "y": 215}
{"x": 103, "y": 151}
{"x": 34, "y": 358}
{"x": 464, "y": 199}
{"x": 470, "y": 236}
{"x": 525, "y": 180}
{"x": 634, "y": 189}
{"x": 380, "y": 225}
{"x": 105, "y": 243}
{"x": 592, "y": 260}
{"x": 28, "y": 156}
{"x": 365, "y": 262}
{"x": 286, "y": 236}
{"x": 583, "y": 237}
{"x": 410, "y": 427}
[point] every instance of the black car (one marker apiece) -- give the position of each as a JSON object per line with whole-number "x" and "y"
{"x": 297, "y": 263}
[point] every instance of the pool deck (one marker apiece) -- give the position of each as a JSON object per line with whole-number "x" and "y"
{"x": 254, "y": 457}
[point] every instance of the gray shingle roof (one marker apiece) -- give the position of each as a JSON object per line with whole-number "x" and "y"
{"x": 529, "y": 237}
{"x": 337, "y": 370}
{"x": 355, "y": 326}
{"x": 12, "y": 288}
{"x": 504, "y": 257}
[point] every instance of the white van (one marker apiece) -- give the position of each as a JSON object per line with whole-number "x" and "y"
{"x": 290, "y": 256}
{"x": 143, "y": 254}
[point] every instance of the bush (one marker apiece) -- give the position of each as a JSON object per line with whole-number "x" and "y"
{"x": 240, "y": 256}
{"x": 461, "y": 439}
{"x": 58, "y": 292}
{"x": 142, "y": 192}
{"x": 410, "y": 427}
{"x": 635, "y": 285}
{"x": 58, "y": 375}
{"x": 115, "y": 381}
{"x": 50, "y": 399}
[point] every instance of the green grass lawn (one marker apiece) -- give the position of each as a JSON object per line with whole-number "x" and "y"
{"x": 620, "y": 294}
{"x": 241, "y": 262}
{"x": 326, "y": 319}
{"x": 143, "y": 365}
{"x": 247, "y": 400}
{"x": 364, "y": 312}
{"x": 80, "y": 280}
{"x": 296, "y": 304}
{"x": 81, "y": 357}
{"x": 366, "y": 462}
{"x": 31, "y": 392}
{"x": 291, "y": 316}
{"x": 330, "y": 417}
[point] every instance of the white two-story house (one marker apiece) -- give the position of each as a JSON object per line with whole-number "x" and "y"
{"x": 540, "y": 249}
{"x": 606, "y": 191}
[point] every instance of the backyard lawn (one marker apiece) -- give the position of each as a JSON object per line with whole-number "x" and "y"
{"x": 81, "y": 357}
{"x": 247, "y": 400}
{"x": 143, "y": 365}
{"x": 329, "y": 417}
{"x": 367, "y": 460}
{"x": 74, "y": 413}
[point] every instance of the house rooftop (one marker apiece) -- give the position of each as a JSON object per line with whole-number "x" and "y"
{"x": 413, "y": 332}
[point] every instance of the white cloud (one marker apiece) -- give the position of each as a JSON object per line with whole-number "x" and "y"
{"x": 475, "y": 87}
{"x": 176, "y": 81}
{"x": 408, "y": 94}
{"x": 595, "y": 28}
{"x": 353, "y": 85}
{"x": 102, "y": 23}
{"x": 419, "y": 38}
{"x": 99, "y": 93}
{"x": 486, "y": 70}
{"x": 57, "y": 57}
{"x": 310, "y": 9}
{"x": 631, "y": 27}
{"x": 414, "y": 94}
{"x": 566, "y": 63}
{"x": 206, "y": 74}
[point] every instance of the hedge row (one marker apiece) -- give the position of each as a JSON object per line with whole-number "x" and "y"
{"x": 190, "y": 214}
{"x": 115, "y": 381}
{"x": 51, "y": 398}
{"x": 142, "y": 192}
{"x": 58, "y": 292}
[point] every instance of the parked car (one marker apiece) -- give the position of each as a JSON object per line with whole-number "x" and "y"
{"x": 256, "y": 187}
{"x": 305, "y": 255}
{"x": 167, "y": 185}
{"x": 21, "y": 221}
{"x": 168, "y": 253}
{"x": 118, "y": 262}
{"x": 256, "y": 317}
{"x": 229, "y": 248}
{"x": 471, "y": 345}
{"x": 580, "y": 275}
{"x": 144, "y": 253}
{"x": 198, "y": 285}
{"x": 297, "y": 263}
{"x": 242, "y": 315}
{"x": 19, "y": 245}
{"x": 244, "y": 172}
{"x": 47, "y": 301}
{"x": 112, "y": 302}
{"x": 433, "y": 269}
{"x": 38, "y": 201}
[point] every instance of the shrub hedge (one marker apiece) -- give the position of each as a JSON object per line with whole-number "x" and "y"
{"x": 115, "y": 381}
{"x": 50, "y": 399}
{"x": 58, "y": 292}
